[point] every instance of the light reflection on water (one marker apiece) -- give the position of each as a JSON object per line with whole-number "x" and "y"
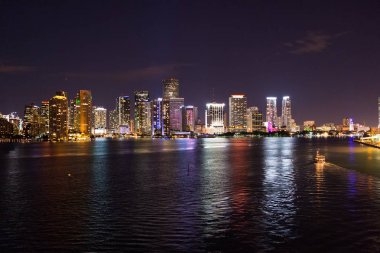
{"x": 190, "y": 195}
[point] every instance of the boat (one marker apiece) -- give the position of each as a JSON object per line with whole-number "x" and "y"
{"x": 320, "y": 159}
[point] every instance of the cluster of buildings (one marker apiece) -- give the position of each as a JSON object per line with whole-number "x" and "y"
{"x": 64, "y": 119}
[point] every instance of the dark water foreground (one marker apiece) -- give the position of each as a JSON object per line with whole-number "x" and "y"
{"x": 224, "y": 195}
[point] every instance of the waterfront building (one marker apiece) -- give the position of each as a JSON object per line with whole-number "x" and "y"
{"x": 170, "y": 88}
{"x": 14, "y": 119}
{"x": 113, "y": 121}
{"x": 175, "y": 115}
{"x": 348, "y": 124}
{"x": 238, "y": 113}
{"x": 215, "y": 118}
{"x": 44, "y": 114}
{"x": 271, "y": 114}
{"x": 157, "y": 120}
{"x": 142, "y": 113}
{"x": 32, "y": 121}
{"x": 99, "y": 120}
{"x": 166, "y": 117}
{"x": 85, "y": 98}
{"x": 6, "y": 128}
{"x": 189, "y": 116}
{"x": 123, "y": 107}
{"x": 309, "y": 125}
{"x": 58, "y": 117}
{"x": 254, "y": 119}
{"x": 286, "y": 116}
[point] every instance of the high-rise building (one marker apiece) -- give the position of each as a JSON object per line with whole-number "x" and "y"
{"x": 271, "y": 113}
{"x": 32, "y": 121}
{"x": 44, "y": 113}
{"x": 175, "y": 115}
{"x": 238, "y": 113}
{"x": 58, "y": 117}
{"x": 348, "y": 124}
{"x": 142, "y": 113}
{"x": 157, "y": 120}
{"x": 113, "y": 121}
{"x": 170, "y": 88}
{"x": 14, "y": 119}
{"x": 189, "y": 117}
{"x": 74, "y": 114}
{"x": 286, "y": 117}
{"x": 166, "y": 117}
{"x": 214, "y": 118}
{"x": 254, "y": 119}
{"x": 123, "y": 107}
{"x": 85, "y": 111}
{"x": 99, "y": 120}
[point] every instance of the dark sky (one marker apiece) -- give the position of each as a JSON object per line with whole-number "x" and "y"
{"x": 324, "y": 54}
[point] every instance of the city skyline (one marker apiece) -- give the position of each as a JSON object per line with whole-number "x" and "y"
{"x": 317, "y": 53}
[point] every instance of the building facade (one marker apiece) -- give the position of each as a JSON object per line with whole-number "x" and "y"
{"x": 237, "y": 113}
{"x": 286, "y": 116}
{"x": 85, "y": 111}
{"x": 189, "y": 117}
{"x": 254, "y": 119}
{"x": 215, "y": 118}
{"x": 142, "y": 117}
{"x": 170, "y": 88}
{"x": 175, "y": 115}
{"x": 271, "y": 113}
{"x": 157, "y": 120}
{"x": 58, "y": 117}
{"x": 99, "y": 120}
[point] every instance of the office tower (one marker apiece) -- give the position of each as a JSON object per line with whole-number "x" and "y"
{"x": 44, "y": 114}
{"x": 58, "y": 117}
{"x": 348, "y": 124}
{"x": 189, "y": 117}
{"x": 175, "y": 115}
{"x": 170, "y": 88}
{"x": 74, "y": 114}
{"x": 271, "y": 113}
{"x": 378, "y": 101}
{"x": 286, "y": 117}
{"x": 238, "y": 113}
{"x": 113, "y": 121}
{"x": 85, "y": 111}
{"x": 99, "y": 120}
{"x": 123, "y": 107}
{"x": 166, "y": 117}
{"x": 32, "y": 121}
{"x": 142, "y": 113}
{"x": 157, "y": 120}
{"x": 14, "y": 119}
{"x": 6, "y": 128}
{"x": 254, "y": 119}
{"x": 214, "y": 118}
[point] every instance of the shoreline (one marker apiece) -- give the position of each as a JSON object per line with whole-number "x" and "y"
{"x": 367, "y": 144}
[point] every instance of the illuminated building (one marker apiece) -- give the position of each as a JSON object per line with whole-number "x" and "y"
{"x": 189, "y": 116}
{"x": 17, "y": 122}
{"x": 157, "y": 120}
{"x": 142, "y": 113}
{"x": 238, "y": 113}
{"x": 286, "y": 117}
{"x": 309, "y": 125}
{"x": 348, "y": 124}
{"x": 6, "y": 128}
{"x": 100, "y": 120}
{"x": 254, "y": 119}
{"x": 32, "y": 122}
{"x": 214, "y": 118}
{"x": 170, "y": 88}
{"x": 113, "y": 120}
{"x": 271, "y": 113}
{"x": 175, "y": 115}
{"x": 123, "y": 108}
{"x": 166, "y": 117}
{"x": 85, "y": 111}
{"x": 44, "y": 113}
{"x": 58, "y": 117}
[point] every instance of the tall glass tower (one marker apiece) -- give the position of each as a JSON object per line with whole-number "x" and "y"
{"x": 271, "y": 113}
{"x": 286, "y": 116}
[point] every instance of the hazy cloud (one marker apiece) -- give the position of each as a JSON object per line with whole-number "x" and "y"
{"x": 313, "y": 42}
{"x": 15, "y": 68}
{"x": 133, "y": 74}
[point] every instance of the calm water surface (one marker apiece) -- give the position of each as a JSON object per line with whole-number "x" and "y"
{"x": 214, "y": 195}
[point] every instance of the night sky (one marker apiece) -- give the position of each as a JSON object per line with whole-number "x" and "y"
{"x": 324, "y": 54}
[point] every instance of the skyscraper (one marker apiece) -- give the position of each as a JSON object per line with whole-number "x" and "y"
{"x": 166, "y": 117}
{"x": 32, "y": 121}
{"x": 123, "y": 107}
{"x": 238, "y": 113}
{"x": 170, "y": 88}
{"x": 286, "y": 117}
{"x": 254, "y": 119}
{"x": 142, "y": 113}
{"x": 85, "y": 111}
{"x": 175, "y": 105}
{"x": 44, "y": 114}
{"x": 271, "y": 113}
{"x": 58, "y": 117}
{"x": 157, "y": 120}
{"x": 214, "y": 118}
{"x": 189, "y": 116}
{"x": 100, "y": 120}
